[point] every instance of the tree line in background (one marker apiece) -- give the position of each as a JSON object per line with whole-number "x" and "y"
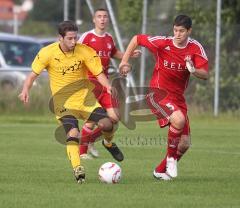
{"x": 204, "y": 21}
{"x": 46, "y": 14}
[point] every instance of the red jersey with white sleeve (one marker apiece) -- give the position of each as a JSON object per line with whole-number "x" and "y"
{"x": 170, "y": 71}
{"x": 171, "y": 75}
{"x": 102, "y": 44}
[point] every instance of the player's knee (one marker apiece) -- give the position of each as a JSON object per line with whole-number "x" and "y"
{"x": 178, "y": 120}
{"x": 114, "y": 118}
{"x": 114, "y": 115}
{"x": 105, "y": 124}
{"x": 74, "y": 132}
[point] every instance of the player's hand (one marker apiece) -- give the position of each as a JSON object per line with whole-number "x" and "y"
{"x": 24, "y": 97}
{"x": 124, "y": 68}
{"x": 189, "y": 65}
{"x": 136, "y": 53}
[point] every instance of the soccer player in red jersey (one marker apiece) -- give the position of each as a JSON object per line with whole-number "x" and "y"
{"x": 103, "y": 43}
{"x": 176, "y": 59}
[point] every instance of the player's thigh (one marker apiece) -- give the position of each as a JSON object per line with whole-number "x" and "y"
{"x": 70, "y": 125}
{"x": 89, "y": 108}
{"x": 113, "y": 113}
{"x": 99, "y": 116}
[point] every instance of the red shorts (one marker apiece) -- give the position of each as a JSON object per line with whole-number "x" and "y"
{"x": 103, "y": 97}
{"x": 163, "y": 104}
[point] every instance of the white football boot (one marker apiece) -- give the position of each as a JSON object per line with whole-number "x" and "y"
{"x": 161, "y": 176}
{"x": 171, "y": 167}
{"x": 86, "y": 156}
{"x": 92, "y": 150}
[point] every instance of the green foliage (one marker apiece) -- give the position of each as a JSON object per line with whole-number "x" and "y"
{"x": 46, "y": 14}
{"x": 18, "y": 2}
{"x": 52, "y": 10}
{"x": 130, "y": 16}
{"x": 204, "y": 24}
{"x": 43, "y": 28}
{"x": 39, "y": 100}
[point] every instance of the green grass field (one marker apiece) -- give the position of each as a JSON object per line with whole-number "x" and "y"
{"x": 35, "y": 172}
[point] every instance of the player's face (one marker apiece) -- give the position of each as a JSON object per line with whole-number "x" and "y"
{"x": 100, "y": 20}
{"x": 69, "y": 41}
{"x": 181, "y": 35}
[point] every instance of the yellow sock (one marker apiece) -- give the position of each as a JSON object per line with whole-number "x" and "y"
{"x": 108, "y": 136}
{"x": 73, "y": 153}
{"x": 108, "y": 141}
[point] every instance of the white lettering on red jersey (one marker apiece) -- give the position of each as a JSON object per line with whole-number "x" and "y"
{"x": 170, "y": 71}
{"x": 102, "y": 44}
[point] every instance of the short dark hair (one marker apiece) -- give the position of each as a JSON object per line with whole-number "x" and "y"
{"x": 67, "y": 26}
{"x": 100, "y": 9}
{"x": 183, "y": 20}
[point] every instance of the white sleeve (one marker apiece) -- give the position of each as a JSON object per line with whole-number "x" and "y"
{"x": 82, "y": 37}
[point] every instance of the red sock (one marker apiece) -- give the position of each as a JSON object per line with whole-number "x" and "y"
{"x": 97, "y": 132}
{"x": 174, "y": 135}
{"x": 85, "y": 138}
{"x": 161, "y": 168}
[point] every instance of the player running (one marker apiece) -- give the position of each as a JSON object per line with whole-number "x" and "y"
{"x": 103, "y": 43}
{"x": 67, "y": 64}
{"x": 176, "y": 59}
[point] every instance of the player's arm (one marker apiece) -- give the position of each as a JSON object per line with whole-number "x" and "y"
{"x": 24, "y": 95}
{"x": 103, "y": 80}
{"x": 38, "y": 65}
{"x": 119, "y": 55}
{"x": 94, "y": 65}
{"x": 124, "y": 66}
{"x": 200, "y": 73}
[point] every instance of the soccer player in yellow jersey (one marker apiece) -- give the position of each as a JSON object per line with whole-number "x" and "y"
{"x": 67, "y": 63}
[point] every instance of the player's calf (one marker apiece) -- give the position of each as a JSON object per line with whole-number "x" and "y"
{"x": 183, "y": 146}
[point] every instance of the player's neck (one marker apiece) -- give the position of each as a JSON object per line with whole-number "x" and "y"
{"x": 64, "y": 49}
{"x": 99, "y": 31}
{"x": 180, "y": 45}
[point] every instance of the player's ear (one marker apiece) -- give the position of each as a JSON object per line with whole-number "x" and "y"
{"x": 189, "y": 31}
{"x": 60, "y": 38}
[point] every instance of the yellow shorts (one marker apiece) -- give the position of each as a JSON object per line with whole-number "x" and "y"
{"x": 80, "y": 107}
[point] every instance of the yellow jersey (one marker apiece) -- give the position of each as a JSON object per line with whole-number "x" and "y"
{"x": 68, "y": 78}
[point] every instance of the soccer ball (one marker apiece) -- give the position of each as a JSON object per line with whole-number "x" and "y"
{"x": 110, "y": 172}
